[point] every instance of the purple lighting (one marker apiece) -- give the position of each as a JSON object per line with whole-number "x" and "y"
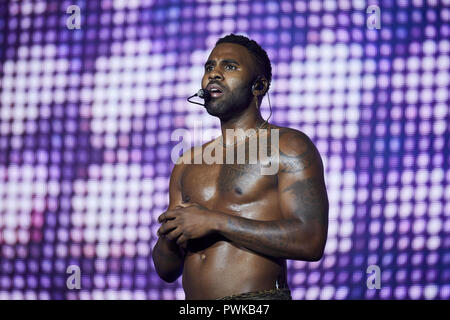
{"x": 86, "y": 118}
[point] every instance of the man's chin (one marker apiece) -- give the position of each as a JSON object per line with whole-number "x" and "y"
{"x": 214, "y": 109}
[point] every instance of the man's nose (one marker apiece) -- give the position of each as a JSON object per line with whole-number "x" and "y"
{"x": 215, "y": 75}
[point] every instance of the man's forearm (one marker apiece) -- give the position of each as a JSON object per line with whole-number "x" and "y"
{"x": 288, "y": 238}
{"x": 168, "y": 258}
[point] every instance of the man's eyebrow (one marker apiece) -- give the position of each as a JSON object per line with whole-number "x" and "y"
{"x": 212, "y": 62}
{"x": 230, "y": 61}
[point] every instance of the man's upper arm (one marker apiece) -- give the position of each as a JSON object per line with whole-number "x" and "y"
{"x": 175, "y": 196}
{"x": 301, "y": 183}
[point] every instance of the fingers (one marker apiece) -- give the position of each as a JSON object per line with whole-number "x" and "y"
{"x": 162, "y": 218}
{"x": 172, "y": 225}
{"x": 166, "y": 227}
{"x": 182, "y": 241}
{"x": 172, "y": 214}
{"x": 174, "y": 234}
{"x": 169, "y": 214}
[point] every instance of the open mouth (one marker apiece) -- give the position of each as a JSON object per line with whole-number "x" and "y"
{"x": 215, "y": 91}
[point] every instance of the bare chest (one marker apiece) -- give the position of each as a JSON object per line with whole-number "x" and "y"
{"x": 222, "y": 184}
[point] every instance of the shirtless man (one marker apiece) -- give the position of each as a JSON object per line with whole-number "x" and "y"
{"x": 228, "y": 229}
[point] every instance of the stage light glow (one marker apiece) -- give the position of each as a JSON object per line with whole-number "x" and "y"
{"x": 86, "y": 118}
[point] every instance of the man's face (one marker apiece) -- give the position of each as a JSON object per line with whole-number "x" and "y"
{"x": 230, "y": 70}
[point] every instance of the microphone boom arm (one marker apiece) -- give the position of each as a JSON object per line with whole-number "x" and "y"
{"x": 202, "y": 93}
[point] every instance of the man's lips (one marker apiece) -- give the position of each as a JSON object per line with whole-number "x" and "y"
{"x": 216, "y": 94}
{"x": 215, "y": 90}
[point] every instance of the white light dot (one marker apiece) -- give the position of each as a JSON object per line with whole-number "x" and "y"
{"x": 430, "y": 291}
{"x": 433, "y": 243}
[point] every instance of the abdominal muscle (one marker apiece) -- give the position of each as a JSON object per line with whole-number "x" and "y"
{"x": 225, "y": 269}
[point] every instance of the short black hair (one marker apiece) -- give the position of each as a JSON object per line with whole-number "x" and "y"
{"x": 262, "y": 59}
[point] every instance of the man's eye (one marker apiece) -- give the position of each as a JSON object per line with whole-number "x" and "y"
{"x": 230, "y": 66}
{"x": 208, "y": 68}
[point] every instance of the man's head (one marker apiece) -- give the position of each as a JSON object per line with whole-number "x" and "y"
{"x": 241, "y": 70}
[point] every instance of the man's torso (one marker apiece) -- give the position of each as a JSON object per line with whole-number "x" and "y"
{"x": 215, "y": 267}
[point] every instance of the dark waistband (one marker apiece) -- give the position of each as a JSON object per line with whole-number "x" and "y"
{"x": 274, "y": 294}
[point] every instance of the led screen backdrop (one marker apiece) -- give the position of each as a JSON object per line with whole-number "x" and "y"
{"x": 86, "y": 117}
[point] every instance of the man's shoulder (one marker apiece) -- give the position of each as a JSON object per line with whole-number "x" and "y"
{"x": 297, "y": 152}
{"x": 292, "y": 141}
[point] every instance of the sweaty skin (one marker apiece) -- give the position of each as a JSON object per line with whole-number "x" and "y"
{"x": 228, "y": 229}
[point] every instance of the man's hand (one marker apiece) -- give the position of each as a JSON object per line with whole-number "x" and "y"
{"x": 187, "y": 222}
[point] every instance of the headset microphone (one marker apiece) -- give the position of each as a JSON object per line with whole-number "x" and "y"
{"x": 202, "y": 93}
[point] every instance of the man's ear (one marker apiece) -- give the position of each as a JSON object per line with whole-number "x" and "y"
{"x": 260, "y": 86}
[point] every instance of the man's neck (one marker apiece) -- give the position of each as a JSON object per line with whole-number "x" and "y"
{"x": 249, "y": 119}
